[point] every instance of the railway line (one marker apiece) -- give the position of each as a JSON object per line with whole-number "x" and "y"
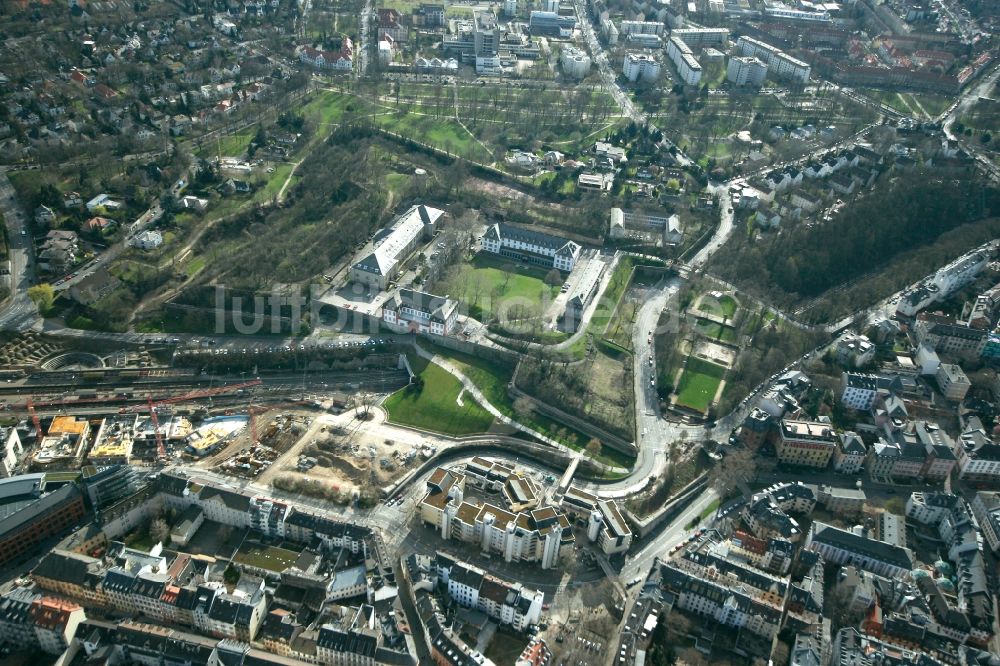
{"x": 63, "y": 394}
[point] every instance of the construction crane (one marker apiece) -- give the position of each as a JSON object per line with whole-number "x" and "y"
{"x": 152, "y": 407}
{"x": 193, "y": 395}
{"x": 34, "y": 419}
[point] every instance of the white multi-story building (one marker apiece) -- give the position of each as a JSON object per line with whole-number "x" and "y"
{"x": 11, "y": 451}
{"x": 640, "y": 66}
{"x": 418, "y": 312}
{"x": 858, "y": 391}
{"x": 688, "y": 67}
{"x": 784, "y": 66}
{"x": 960, "y": 272}
{"x": 509, "y": 603}
{"x": 701, "y": 36}
{"x": 380, "y": 266}
{"x": 779, "y": 63}
{"x": 978, "y": 456}
{"x": 746, "y": 71}
{"x": 641, "y": 28}
{"x": 986, "y": 509}
{"x": 952, "y": 381}
{"x": 541, "y": 535}
{"x": 575, "y": 62}
{"x": 531, "y": 247}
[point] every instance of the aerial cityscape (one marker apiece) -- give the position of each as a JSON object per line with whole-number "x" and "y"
{"x": 512, "y": 333}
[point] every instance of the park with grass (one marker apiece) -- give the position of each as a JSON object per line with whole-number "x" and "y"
{"x": 485, "y": 284}
{"x": 432, "y": 403}
{"x": 698, "y": 384}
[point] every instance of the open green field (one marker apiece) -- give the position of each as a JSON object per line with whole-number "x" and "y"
{"x": 271, "y": 558}
{"x": 330, "y": 107}
{"x": 234, "y": 145}
{"x": 698, "y": 384}
{"x": 435, "y": 407}
{"x": 442, "y": 133}
{"x": 481, "y": 285}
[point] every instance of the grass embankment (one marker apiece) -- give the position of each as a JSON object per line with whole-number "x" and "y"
{"x": 434, "y": 406}
{"x": 492, "y": 379}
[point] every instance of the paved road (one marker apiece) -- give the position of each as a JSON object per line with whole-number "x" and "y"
{"x": 17, "y": 313}
{"x": 971, "y": 95}
{"x": 608, "y": 75}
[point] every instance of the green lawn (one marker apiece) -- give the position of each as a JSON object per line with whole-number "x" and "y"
{"x": 724, "y": 306}
{"x": 715, "y": 331}
{"x": 195, "y": 266}
{"x": 492, "y": 379}
{"x": 443, "y": 133}
{"x": 234, "y": 145}
{"x": 698, "y": 384}
{"x": 710, "y": 509}
{"x": 274, "y": 182}
{"x": 435, "y": 406}
{"x": 329, "y": 107}
{"x": 271, "y": 558}
{"x": 484, "y": 276}
{"x": 728, "y": 304}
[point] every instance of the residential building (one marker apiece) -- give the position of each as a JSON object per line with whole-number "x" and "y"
{"x": 945, "y": 336}
{"x": 930, "y": 508}
{"x": 642, "y": 66}
{"x": 393, "y": 247}
{"x": 541, "y": 535}
{"x": 506, "y": 602}
{"x": 102, "y": 202}
{"x": 531, "y": 247}
{"x": 641, "y": 28}
{"x": 859, "y": 391}
{"x": 575, "y": 62}
{"x": 733, "y": 600}
{"x": 149, "y": 239}
{"x": 986, "y": 509}
{"x": 849, "y": 454}
{"x": 701, "y": 36}
{"x": 746, "y": 71}
{"x": 428, "y": 16}
{"x": 418, "y": 312}
{"x": 854, "y": 547}
{"x": 342, "y": 60}
{"x": 780, "y": 65}
{"x": 978, "y": 456}
{"x": 608, "y": 529}
{"x": 688, "y": 67}
{"x": 805, "y": 443}
{"x": 55, "y": 622}
{"x": 952, "y": 381}
{"x": 597, "y": 182}
{"x": 842, "y": 501}
{"x": 854, "y": 350}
